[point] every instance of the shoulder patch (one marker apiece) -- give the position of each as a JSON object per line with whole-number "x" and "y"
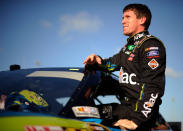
{"x": 153, "y": 64}
{"x": 151, "y": 48}
{"x": 153, "y": 53}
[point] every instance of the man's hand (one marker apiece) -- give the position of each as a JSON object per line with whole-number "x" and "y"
{"x": 92, "y": 59}
{"x": 127, "y": 124}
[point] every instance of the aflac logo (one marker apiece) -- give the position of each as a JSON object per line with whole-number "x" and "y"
{"x": 126, "y": 78}
{"x": 149, "y": 104}
{"x": 138, "y": 36}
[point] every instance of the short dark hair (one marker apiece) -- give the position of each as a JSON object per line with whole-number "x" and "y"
{"x": 140, "y": 10}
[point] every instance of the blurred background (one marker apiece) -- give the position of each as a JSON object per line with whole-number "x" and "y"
{"x": 57, "y": 33}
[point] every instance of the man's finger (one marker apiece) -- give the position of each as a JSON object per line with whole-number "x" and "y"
{"x": 90, "y": 59}
{"x": 86, "y": 60}
{"x": 116, "y": 124}
{"x": 98, "y": 60}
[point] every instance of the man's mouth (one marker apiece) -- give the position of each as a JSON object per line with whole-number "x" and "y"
{"x": 124, "y": 27}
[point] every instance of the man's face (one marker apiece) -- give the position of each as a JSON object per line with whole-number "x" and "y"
{"x": 131, "y": 24}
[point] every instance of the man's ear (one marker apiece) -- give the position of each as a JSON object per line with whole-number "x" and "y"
{"x": 142, "y": 20}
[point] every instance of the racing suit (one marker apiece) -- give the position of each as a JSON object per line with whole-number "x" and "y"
{"x": 142, "y": 78}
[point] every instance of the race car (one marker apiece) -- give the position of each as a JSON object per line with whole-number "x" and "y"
{"x": 55, "y": 99}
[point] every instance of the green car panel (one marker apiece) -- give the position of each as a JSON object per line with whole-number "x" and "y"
{"x": 47, "y": 123}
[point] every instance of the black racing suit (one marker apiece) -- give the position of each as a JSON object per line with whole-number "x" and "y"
{"x": 142, "y": 78}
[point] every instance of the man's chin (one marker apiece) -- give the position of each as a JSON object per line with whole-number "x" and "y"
{"x": 126, "y": 34}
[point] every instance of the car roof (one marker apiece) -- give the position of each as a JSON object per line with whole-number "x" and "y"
{"x": 76, "y": 69}
{"x": 7, "y": 78}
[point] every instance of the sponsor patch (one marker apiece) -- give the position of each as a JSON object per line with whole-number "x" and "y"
{"x": 96, "y": 128}
{"x": 131, "y": 57}
{"x": 127, "y": 52}
{"x": 153, "y": 64}
{"x": 150, "y": 57}
{"x": 152, "y": 48}
{"x": 152, "y": 53}
{"x": 85, "y": 111}
{"x": 43, "y": 128}
{"x": 131, "y": 47}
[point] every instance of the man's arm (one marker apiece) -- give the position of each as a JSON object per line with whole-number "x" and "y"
{"x": 110, "y": 64}
{"x": 152, "y": 82}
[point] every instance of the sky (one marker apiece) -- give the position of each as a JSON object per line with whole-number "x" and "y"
{"x": 59, "y": 33}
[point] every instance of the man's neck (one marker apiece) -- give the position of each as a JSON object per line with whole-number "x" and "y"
{"x": 139, "y": 31}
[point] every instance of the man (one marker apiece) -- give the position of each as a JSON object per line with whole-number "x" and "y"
{"x": 142, "y": 74}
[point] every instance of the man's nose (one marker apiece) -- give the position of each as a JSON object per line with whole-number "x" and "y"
{"x": 122, "y": 21}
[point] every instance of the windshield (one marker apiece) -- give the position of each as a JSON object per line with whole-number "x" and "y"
{"x": 55, "y": 87}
